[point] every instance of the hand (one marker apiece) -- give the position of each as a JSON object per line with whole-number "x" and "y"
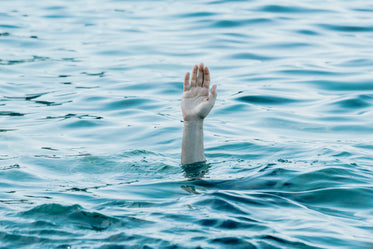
{"x": 196, "y": 102}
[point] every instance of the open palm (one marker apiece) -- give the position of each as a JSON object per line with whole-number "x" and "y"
{"x": 196, "y": 102}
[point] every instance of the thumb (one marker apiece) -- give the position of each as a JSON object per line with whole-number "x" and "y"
{"x": 213, "y": 94}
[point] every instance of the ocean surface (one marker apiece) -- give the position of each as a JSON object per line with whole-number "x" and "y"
{"x": 91, "y": 125}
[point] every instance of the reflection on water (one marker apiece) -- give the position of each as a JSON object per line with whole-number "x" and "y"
{"x": 195, "y": 171}
{"x": 90, "y": 124}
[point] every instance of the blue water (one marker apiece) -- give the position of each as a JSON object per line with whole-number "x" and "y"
{"x": 90, "y": 124}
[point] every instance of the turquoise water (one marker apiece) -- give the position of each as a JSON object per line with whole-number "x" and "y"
{"x": 90, "y": 124}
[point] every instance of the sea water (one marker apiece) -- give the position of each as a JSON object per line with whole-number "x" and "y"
{"x": 91, "y": 126}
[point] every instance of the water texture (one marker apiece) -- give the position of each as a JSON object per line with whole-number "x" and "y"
{"x": 90, "y": 124}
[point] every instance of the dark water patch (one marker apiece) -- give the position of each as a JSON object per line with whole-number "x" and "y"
{"x": 367, "y": 146}
{"x": 169, "y": 88}
{"x": 59, "y": 16}
{"x": 47, "y": 103}
{"x": 288, "y": 9}
{"x": 12, "y": 166}
{"x": 253, "y": 200}
{"x": 55, "y": 7}
{"x": 343, "y": 85}
{"x": 132, "y": 241}
{"x": 64, "y": 76}
{"x": 73, "y": 215}
{"x": 217, "y": 203}
{"x": 265, "y": 100}
{"x": 268, "y": 178}
{"x": 129, "y": 102}
{"x": 233, "y": 108}
{"x": 346, "y": 28}
{"x": 363, "y": 10}
{"x": 323, "y": 178}
{"x": 357, "y": 63}
{"x": 27, "y": 96}
{"x": 16, "y": 202}
{"x": 353, "y": 128}
{"x": 242, "y": 150}
{"x": 241, "y": 22}
{"x": 226, "y": 24}
{"x": 272, "y": 241}
{"x": 33, "y": 59}
{"x": 341, "y": 197}
{"x": 21, "y": 240}
{"x": 286, "y": 45}
{"x": 352, "y": 103}
{"x": 9, "y": 26}
{"x": 73, "y": 115}
{"x": 11, "y": 114}
{"x": 7, "y": 130}
{"x": 5, "y": 34}
{"x": 71, "y": 59}
{"x": 53, "y": 232}
{"x": 123, "y": 241}
{"x": 233, "y": 242}
{"x": 197, "y": 14}
{"x": 343, "y": 154}
{"x": 311, "y": 72}
{"x": 86, "y": 87}
{"x": 258, "y": 21}
{"x": 307, "y": 32}
{"x": 133, "y": 204}
{"x": 101, "y": 74}
{"x": 195, "y": 171}
{"x": 250, "y": 56}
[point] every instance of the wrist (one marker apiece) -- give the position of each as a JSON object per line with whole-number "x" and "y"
{"x": 193, "y": 120}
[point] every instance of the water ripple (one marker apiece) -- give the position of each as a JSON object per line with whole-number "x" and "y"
{"x": 90, "y": 125}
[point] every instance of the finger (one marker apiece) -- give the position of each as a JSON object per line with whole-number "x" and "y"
{"x": 186, "y": 82}
{"x": 194, "y": 76}
{"x": 200, "y": 75}
{"x": 213, "y": 95}
{"x": 206, "y": 78}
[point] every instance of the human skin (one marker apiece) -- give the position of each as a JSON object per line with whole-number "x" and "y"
{"x": 196, "y": 104}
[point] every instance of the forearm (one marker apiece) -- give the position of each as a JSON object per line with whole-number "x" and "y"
{"x": 192, "y": 150}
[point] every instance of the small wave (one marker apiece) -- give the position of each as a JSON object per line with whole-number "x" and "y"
{"x": 238, "y": 23}
{"x": 251, "y": 56}
{"x": 343, "y": 85}
{"x": 9, "y": 26}
{"x": 335, "y": 198}
{"x": 307, "y": 32}
{"x": 346, "y": 28}
{"x": 72, "y": 215}
{"x": 197, "y": 14}
{"x": 266, "y": 100}
{"x": 13, "y": 166}
{"x": 129, "y": 102}
{"x": 21, "y": 61}
{"x": 288, "y": 9}
{"x": 232, "y": 242}
{"x": 12, "y": 114}
{"x": 352, "y": 103}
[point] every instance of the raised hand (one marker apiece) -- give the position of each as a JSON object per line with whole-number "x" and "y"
{"x": 196, "y": 102}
